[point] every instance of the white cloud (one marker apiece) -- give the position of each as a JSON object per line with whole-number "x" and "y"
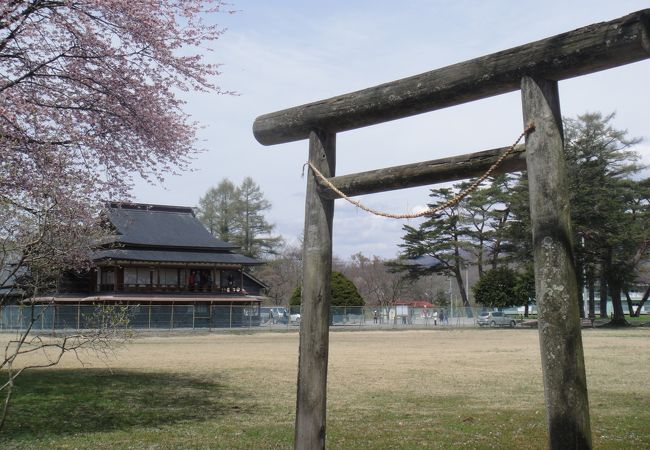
{"x": 285, "y": 53}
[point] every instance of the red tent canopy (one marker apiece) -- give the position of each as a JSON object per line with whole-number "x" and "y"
{"x": 415, "y": 303}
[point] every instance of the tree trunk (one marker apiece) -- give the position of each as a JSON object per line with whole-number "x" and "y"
{"x": 642, "y": 302}
{"x": 580, "y": 281}
{"x": 459, "y": 278}
{"x": 314, "y": 328}
{"x": 503, "y": 220}
{"x": 563, "y": 369}
{"x": 463, "y": 293}
{"x": 603, "y": 296}
{"x": 592, "y": 295}
{"x": 618, "y": 318}
{"x": 615, "y": 284}
{"x": 630, "y": 306}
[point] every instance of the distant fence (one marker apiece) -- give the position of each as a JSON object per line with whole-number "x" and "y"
{"x": 54, "y": 318}
{"x": 405, "y": 317}
{"x": 147, "y": 316}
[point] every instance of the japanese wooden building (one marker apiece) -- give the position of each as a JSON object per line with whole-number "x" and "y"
{"x": 161, "y": 256}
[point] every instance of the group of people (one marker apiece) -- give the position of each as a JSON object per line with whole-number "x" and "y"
{"x": 441, "y": 316}
{"x": 437, "y": 316}
{"x": 201, "y": 280}
{"x": 197, "y": 279}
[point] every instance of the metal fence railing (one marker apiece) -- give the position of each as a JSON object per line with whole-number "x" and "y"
{"x": 170, "y": 317}
{"x": 148, "y": 316}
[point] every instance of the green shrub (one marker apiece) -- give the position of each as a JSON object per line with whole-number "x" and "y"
{"x": 343, "y": 291}
{"x": 501, "y": 288}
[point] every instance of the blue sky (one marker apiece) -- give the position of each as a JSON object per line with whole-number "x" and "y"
{"x": 285, "y": 53}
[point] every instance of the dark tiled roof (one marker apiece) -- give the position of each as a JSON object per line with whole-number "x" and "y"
{"x": 161, "y": 226}
{"x": 179, "y": 256}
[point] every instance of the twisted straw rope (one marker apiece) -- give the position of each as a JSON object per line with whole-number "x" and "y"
{"x": 430, "y": 211}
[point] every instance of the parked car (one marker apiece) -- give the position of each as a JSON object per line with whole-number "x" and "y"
{"x": 495, "y": 319}
{"x": 294, "y": 318}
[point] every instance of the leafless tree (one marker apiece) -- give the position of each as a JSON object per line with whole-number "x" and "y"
{"x": 376, "y": 283}
{"x": 283, "y": 274}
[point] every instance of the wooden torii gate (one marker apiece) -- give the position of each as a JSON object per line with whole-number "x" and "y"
{"x": 535, "y": 69}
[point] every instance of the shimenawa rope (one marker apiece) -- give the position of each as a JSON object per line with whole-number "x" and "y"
{"x": 454, "y": 201}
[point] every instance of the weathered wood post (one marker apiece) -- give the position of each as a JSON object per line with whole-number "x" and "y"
{"x": 575, "y": 53}
{"x": 314, "y": 317}
{"x": 565, "y": 386}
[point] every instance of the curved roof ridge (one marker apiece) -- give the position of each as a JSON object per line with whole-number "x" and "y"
{"x": 161, "y": 226}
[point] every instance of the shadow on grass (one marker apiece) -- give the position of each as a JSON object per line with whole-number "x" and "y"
{"x": 63, "y": 402}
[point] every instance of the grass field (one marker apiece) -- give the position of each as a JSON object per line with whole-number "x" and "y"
{"x": 462, "y": 388}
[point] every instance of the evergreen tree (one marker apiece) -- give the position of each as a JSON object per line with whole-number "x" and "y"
{"x": 525, "y": 286}
{"x": 439, "y": 245}
{"x": 342, "y": 289}
{"x": 219, "y": 210}
{"x": 253, "y": 230}
{"x": 344, "y": 292}
{"x": 608, "y": 209}
{"x": 498, "y": 288}
{"x": 519, "y": 228}
{"x": 236, "y": 215}
{"x": 485, "y": 214}
{"x": 601, "y": 164}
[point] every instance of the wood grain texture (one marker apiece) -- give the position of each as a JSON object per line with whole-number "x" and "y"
{"x": 427, "y": 172}
{"x": 316, "y": 299}
{"x": 556, "y": 289}
{"x": 579, "y": 52}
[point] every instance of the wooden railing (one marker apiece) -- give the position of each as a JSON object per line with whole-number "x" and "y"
{"x": 154, "y": 288}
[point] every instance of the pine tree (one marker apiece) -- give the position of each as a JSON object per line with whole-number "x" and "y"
{"x": 254, "y": 232}
{"x": 601, "y": 164}
{"x": 219, "y": 210}
{"x": 485, "y": 214}
{"x": 236, "y": 215}
{"x": 439, "y": 245}
{"x": 608, "y": 209}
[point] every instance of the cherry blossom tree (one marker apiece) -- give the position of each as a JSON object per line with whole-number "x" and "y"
{"x": 89, "y": 99}
{"x": 87, "y": 93}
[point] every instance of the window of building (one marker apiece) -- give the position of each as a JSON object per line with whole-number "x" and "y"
{"x": 130, "y": 275}
{"x": 137, "y": 275}
{"x": 107, "y": 276}
{"x": 168, "y": 277}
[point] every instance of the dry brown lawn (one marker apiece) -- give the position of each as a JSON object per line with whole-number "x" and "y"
{"x": 415, "y": 360}
{"x": 483, "y": 379}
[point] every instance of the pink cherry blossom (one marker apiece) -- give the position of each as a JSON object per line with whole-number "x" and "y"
{"x": 87, "y": 101}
